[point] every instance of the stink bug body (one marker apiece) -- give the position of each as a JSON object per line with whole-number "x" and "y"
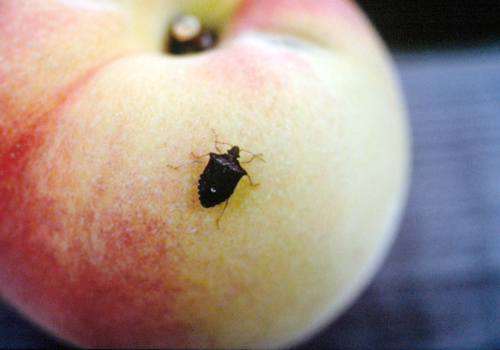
{"x": 221, "y": 175}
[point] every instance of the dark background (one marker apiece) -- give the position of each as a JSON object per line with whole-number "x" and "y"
{"x": 417, "y": 24}
{"x": 440, "y": 286}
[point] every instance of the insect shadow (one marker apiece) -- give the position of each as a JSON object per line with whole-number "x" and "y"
{"x": 221, "y": 175}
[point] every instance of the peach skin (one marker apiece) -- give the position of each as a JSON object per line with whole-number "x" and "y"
{"x": 104, "y": 244}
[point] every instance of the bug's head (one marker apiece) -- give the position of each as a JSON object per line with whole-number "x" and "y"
{"x": 234, "y": 152}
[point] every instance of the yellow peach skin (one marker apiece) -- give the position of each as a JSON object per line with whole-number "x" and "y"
{"x": 104, "y": 245}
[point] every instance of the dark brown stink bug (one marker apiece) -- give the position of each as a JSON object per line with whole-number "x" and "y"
{"x": 221, "y": 175}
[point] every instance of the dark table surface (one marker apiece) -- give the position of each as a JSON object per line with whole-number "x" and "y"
{"x": 440, "y": 286}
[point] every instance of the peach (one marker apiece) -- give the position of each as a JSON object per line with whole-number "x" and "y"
{"x": 105, "y": 245}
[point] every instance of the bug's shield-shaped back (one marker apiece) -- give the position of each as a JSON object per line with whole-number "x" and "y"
{"x": 219, "y": 179}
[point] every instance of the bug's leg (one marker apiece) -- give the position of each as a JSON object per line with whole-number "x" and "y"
{"x": 251, "y": 183}
{"x": 191, "y": 162}
{"x": 198, "y": 157}
{"x": 223, "y": 210}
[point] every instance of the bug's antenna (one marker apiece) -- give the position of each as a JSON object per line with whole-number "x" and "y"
{"x": 216, "y": 142}
{"x": 258, "y": 156}
{"x": 220, "y": 142}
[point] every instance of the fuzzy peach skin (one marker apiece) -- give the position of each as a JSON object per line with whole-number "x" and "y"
{"x": 104, "y": 245}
